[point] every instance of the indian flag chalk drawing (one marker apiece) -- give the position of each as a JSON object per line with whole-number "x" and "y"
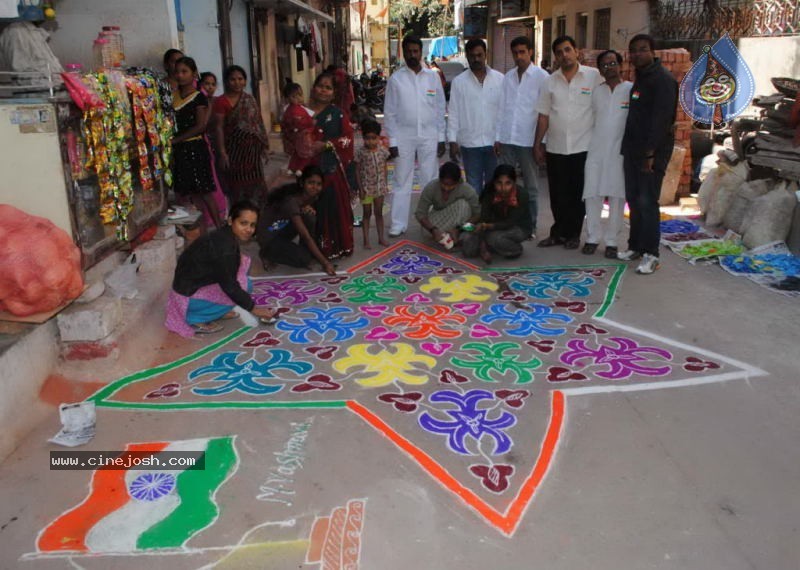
{"x": 137, "y": 510}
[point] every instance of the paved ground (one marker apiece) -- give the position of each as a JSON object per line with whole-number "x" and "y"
{"x": 697, "y": 467}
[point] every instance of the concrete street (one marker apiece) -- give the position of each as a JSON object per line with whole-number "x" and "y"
{"x": 696, "y": 470}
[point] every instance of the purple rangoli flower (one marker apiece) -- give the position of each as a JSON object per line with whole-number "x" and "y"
{"x": 468, "y": 421}
{"x": 298, "y": 291}
{"x": 621, "y": 362}
{"x": 411, "y": 265}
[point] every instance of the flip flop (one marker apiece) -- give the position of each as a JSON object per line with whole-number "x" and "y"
{"x": 207, "y": 328}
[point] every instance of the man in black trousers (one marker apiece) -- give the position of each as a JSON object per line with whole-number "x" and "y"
{"x": 646, "y": 150}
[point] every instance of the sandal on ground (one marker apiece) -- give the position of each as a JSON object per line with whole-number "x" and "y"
{"x": 550, "y": 242}
{"x": 589, "y": 248}
{"x": 611, "y": 252}
{"x": 207, "y": 328}
{"x": 572, "y": 243}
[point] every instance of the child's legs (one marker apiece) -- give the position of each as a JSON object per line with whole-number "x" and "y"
{"x": 378, "y": 203}
{"x": 366, "y": 205}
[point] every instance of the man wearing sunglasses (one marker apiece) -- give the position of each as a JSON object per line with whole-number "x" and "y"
{"x": 604, "y": 178}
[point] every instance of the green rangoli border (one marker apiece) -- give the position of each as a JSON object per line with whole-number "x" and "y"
{"x": 100, "y": 397}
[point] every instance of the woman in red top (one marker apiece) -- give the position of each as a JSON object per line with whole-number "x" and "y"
{"x": 334, "y": 213}
{"x": 241, "y": 138}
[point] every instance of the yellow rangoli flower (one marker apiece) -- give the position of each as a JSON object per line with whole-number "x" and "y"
{"x": 461, "y": 288}
{"x": 386, "y": 365}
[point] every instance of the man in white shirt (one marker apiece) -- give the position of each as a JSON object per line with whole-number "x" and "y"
{"x": 414, "y": 118}
{"x": 604, "y": 176}
{"x": 516, "y": 121}
{"x": 565, "y": 116}
{"x": 472, "y": 115}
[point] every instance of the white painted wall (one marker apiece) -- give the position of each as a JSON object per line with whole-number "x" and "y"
{"x": 201, "y": 36}
{"x": 148, "y": 28}
{"x": 628, "y": 18}
{"x": 771, "y": 57}
{"x": 239, "y": 38}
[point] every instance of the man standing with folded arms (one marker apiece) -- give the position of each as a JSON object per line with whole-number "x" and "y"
{"x": 414, "y": 118}
{"x": 472, "y": 116}
{"x": 565, "y": 116}
{"x": 516, "y": 120}
{"x": 646, "y": 150}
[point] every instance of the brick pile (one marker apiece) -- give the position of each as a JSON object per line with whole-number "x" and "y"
{"x": 679, "y": 62}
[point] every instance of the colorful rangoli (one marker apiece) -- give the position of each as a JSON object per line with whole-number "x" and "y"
{"x": 466, "y": 371}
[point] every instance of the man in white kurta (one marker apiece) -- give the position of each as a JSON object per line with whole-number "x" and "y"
{"x": 414, "y": 118}
{"x": 604, "y": 177}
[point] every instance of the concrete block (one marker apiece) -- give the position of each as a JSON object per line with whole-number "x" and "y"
{"x": 157, "y": 255}
{"x": 91, "y": 350}
{"x": 90, "y": 322}
{"x": 165, "y": 232}
{"x": 26, "y": 365}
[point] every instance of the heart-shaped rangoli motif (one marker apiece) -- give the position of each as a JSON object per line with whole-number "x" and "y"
{"x": 572, "y": 306}
{"x": 331, "y": 298}
{"x": 435, "y": 348}
{"x": 482, "y": 331}
{"x": 595, "y": 272}
{"x": 448, "y": 376}
{"x": 374, "y": 310}
{"x": 417, "y": 298}
{"x": 317, "y": 382}
{"x": 264, "y": 338}
{"x": 511, "y": 296}
{"x": 514, "y": 398}
{"x": 468, "y": 308}
{"x": 493, "y": 477}
{"x": 412, "y": 279}
{"x": 590, "y": 329}
{"x": 381, "y": 333}
{"x": 402, "y": 402}
{"x": 322, "y": 352}
{"x": 376, "y": 271}
{"x": 166, "y": 391}
{"x": 543, "y": 346}
{"x": 334, "y": 280}
{"x": 694, "y": 364}
{"x": 561, "y": 374}
{"x": 449, "y": 271}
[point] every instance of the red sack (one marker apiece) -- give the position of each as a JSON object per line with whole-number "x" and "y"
{"x": 40, "y": 266}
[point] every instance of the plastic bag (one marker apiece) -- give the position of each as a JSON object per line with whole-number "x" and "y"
{"x": 729, "y": 179}
{"x": 742, "y": 202}
{"x": 122, "y": 281}
{"x": 770, "y": 217}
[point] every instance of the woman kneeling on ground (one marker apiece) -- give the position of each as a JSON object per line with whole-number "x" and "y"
{"x": 211, "y": 277}
{"x": 504, "y": 222}
{"x": 289, "y": 213}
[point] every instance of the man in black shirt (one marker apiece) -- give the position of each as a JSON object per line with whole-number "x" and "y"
{"x": 646, "y": 149}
